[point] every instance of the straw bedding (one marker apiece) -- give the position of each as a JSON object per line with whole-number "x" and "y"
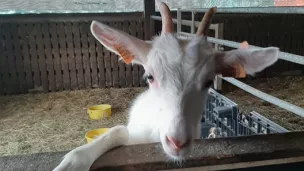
{"x": 56, "y": 121}
{"x": 290, "y": 89}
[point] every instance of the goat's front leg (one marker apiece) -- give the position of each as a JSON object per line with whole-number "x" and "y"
{"x": 81, "y": 158}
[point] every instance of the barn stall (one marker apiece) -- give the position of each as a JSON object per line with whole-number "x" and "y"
{"x": 52, "y": 69}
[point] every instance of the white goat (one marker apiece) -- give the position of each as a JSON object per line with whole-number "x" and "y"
{"x": 179, "y": 73}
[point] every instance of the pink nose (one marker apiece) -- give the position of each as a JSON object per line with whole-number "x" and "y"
{"x": 176, "y": 144}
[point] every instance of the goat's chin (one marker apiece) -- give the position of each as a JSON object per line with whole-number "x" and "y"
{"x": 174, "y": 156}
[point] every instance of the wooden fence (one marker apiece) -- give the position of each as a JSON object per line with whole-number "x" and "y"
{"x": 54, "y": 54}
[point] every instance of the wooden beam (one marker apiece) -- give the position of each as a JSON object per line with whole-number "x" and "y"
{"x": 149, "y": 9}
{"x": 212, "y": 154}
{"x": 208, "y": 152}
{"x": 219, "y": 34}
{"x": 87, "y": 17}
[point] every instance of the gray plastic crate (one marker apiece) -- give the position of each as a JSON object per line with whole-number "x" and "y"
{"x": 255, "y": 123}
{"x": 223, "y": 116}
{"x": 221, "y": 113}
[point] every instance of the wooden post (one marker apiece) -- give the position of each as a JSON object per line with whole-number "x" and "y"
{"x": 179, "y": 20}
{"x": 192, "y": 22}
{"x": 219, "y": 34}
{"x": 149, "y": 9}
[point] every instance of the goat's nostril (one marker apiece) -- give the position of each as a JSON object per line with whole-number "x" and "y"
{"x": 177, "y": 145}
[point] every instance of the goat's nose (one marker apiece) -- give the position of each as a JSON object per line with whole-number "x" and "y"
{"x": 176, "y": 144}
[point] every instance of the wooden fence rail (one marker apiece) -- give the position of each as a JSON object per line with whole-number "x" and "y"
{"x": 258, "y": 152}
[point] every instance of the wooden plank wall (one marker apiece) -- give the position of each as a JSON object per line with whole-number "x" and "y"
{"x": 55, "y": 53}
{"x": 63, "y": 55}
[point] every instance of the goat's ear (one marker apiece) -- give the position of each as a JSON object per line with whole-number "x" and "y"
{"x": 129, "y": 48}
{"x": 243, "y": 60}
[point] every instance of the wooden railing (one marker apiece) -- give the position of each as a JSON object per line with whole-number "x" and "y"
{"x": 270, "y": 151}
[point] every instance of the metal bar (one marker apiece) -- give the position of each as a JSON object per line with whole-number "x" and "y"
{"x": 183, "y": 22}
{"x": 154, "y": 17}
{"x": 192, "y": 22}
{"x": 179, "y": 21}
{"x": 219, "y": 35}
{"x": 251, "y": 10}
{"x": 271, "y": 99}
{"x": 281, "y": 129}
{"x": 282, "y": 55}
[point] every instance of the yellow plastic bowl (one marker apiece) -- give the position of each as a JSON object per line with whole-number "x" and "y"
{"x": 92, "y": 134}
{"x": 99, "y": 111}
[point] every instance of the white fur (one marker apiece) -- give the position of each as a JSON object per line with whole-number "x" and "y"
{"x": 174, "y": 103}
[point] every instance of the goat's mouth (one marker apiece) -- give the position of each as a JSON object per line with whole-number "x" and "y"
{"x": 177, "y": 155}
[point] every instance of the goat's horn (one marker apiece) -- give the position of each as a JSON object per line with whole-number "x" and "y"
{"x": 206, "y": 22}
{"x": 166, "y": 17}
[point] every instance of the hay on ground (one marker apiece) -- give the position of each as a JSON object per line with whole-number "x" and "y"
{"x": 290, "y": 89}
{"x": 57, "y": 121}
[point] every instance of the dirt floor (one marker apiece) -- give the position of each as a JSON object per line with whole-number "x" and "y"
{"x": 58, "y": 121}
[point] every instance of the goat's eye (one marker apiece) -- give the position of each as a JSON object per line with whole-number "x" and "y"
{"x": 149, "y": 78}
{"x": 208, "y": 84}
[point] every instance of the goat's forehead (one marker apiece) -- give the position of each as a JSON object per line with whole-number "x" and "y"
{"x": 172, "y": 65}
{"x": 170, "y": 54}
{"x": 167, "y": 45}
